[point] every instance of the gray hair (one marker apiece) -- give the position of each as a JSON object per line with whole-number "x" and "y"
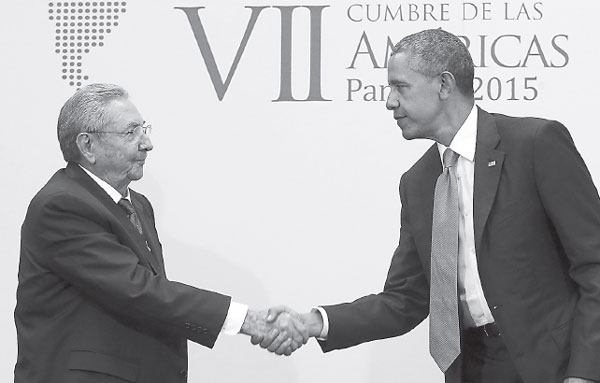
{"x": 84, "y": 112}
{"x": 434, "y": 51}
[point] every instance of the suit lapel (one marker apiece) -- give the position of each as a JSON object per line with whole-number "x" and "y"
{"x": 488, "y": 167}
{"x": 137, "y": 241}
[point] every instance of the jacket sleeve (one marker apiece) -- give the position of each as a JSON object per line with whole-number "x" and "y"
{"x": 401, "y": 306}
{"x": 571, "y": 201}
{"x": 77, "y": 241}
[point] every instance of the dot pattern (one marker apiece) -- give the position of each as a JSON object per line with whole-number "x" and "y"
{"x": 81, "y": 27}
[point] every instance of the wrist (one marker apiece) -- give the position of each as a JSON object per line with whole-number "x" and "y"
{"x": 314, "y": 323}
{"x": 251, "y": 323}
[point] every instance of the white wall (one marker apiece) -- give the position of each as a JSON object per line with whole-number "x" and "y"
{"x": 277, "y": 202}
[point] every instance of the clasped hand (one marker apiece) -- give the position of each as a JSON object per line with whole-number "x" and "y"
{"x": 280, "y": 330}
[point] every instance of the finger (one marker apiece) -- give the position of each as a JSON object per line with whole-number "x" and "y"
{"x": 295, "y": 327}
{"x": 285, "y": 346}
{"x": 281, "y": 338}
{"x": 277, "y": 343}
{"x": 288, "y": 351}
{"x": 269, "y": 338}
{"x": 275, "y": 311}
{"x": 256, "y": 339}
{"x": 295, "y": 345}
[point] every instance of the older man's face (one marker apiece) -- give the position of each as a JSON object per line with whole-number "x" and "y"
{"x": 120, "y": 154}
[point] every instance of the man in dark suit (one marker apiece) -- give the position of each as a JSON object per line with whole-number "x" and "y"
{"x": 526, "y": 250}
{"x": 93, "y": 301}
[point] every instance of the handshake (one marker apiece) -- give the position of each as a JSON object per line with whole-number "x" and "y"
{"x": 281, "y": 330}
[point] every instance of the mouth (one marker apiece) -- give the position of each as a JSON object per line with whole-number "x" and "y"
{"x": 400, "y": 121}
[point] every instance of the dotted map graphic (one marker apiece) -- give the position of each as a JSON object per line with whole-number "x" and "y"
{"x": 80, "y": 27}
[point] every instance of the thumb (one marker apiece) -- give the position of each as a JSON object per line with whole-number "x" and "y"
{"x": 275, "y": 311}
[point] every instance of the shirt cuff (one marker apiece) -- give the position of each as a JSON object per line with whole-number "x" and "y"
{"x": 234, "y": 319}
{"x": 325, "y": 329}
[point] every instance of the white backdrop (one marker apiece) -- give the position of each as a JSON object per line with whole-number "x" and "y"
{"x": 269, "y": 201}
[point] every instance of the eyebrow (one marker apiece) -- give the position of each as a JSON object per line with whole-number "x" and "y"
{"x": 397, "y": 82}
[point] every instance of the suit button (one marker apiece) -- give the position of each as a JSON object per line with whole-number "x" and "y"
{"x": 187, "y": 325}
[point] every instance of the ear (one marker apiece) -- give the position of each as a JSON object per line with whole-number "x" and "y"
{"x": 85, "y": 145}
{"x": 447, "y": 84}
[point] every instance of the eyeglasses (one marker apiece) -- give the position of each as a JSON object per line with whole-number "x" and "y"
{"x": 132, "y": 132}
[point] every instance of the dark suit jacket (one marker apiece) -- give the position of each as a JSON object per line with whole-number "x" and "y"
{"x": 537, "y": 233}
{"x": 93, "y": 303}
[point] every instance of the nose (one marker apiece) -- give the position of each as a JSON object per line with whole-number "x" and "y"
{"x": 392, "y": 101}
{"x": 146, "y": 143}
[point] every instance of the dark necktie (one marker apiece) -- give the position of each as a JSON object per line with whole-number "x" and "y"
{"x": 444, "y": 330}
{"x": 131, "y": 214}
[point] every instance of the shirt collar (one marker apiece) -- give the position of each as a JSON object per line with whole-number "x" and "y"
{"x": 111, "y": 191}
{"x": 465, "y": 140}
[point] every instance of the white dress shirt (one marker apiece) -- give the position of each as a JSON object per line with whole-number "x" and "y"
{"x": 236, "y": 313}
{"x": 474, "y": 306}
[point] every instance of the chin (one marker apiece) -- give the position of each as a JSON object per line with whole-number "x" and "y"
{"x": 408, "y": 134}
{"x": 135, "y": 175}
{"x": 412, "y": 132}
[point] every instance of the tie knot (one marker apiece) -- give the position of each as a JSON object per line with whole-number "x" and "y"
{"x": 450, "y": 158}
{"x": 126, "y": 205}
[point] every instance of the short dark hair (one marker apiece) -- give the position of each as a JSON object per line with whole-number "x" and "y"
{"x": 84, "y": 111}
{"x": 434, "y": 51}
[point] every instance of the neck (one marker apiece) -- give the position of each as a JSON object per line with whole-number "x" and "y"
{"x": 455, "y": 116}
{"x": 120, "y": 186}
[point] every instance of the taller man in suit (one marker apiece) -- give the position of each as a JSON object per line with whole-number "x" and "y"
{"x": 524, "y": 300}
{"x": 94, "y": 303}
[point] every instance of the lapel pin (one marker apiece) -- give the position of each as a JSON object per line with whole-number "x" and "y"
{"x": 491, "y": 163}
